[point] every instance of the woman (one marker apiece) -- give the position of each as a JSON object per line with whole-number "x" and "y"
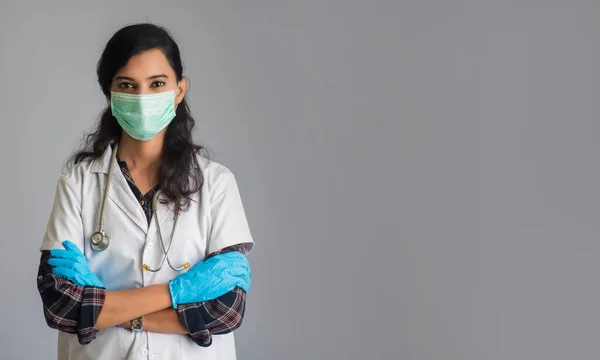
{"x": 109, "y": 278}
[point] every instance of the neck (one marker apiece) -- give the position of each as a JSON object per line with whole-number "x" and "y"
{"x": 140, "y": 155}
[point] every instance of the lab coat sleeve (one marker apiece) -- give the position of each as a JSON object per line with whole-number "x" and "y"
{"x": 229, "y": 225}
{"x": 229, "y": 232}
{"x": 220, "y": 316}
{"x": 67, "y": 307}
{"x": 65, "y": 219}
{"x": 215, "y": 317}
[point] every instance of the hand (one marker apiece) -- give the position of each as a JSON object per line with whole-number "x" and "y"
{"x": 211, "y": 278}
{"x": 72, "y": 265}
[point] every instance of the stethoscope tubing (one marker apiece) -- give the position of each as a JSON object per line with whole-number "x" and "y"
{"x": 105, "y": 236}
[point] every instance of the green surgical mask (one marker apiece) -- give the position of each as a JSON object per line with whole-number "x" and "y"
{"x": 143, "y": 116}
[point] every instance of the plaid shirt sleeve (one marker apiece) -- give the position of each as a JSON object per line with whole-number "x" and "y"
{"x": 219, "y": 316}
{"x": 67, "y": 307}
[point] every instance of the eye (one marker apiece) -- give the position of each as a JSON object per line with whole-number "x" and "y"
{"x": 157, "y": 83}
{"x": 126, "y": 85}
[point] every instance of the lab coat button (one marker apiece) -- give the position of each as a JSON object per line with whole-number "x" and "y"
{"x": 149, "y": 246}
{"x": 144, "y": 352}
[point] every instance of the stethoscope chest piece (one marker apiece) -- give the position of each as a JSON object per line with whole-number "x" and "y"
{"x": 100, "y": 240}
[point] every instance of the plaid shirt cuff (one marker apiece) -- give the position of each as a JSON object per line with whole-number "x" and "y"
{"x": 67, "y": 307}
{"x": 214, "y": 317}
{"x": 220, "y": 316}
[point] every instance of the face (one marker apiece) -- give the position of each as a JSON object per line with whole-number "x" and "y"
{"x": 148, "y": 73}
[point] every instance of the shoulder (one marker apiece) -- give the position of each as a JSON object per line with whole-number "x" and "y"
{"x": 71, "y": 182}
{"x": 77, "y": 173}
{"x": 214, "y": 173}
{"x": 87, "y": 168}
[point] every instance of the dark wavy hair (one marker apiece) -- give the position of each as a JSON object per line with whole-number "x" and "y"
{"x": 179, "y": 175}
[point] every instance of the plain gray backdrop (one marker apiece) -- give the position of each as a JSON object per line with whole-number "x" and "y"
{"x": 420, "y": 177}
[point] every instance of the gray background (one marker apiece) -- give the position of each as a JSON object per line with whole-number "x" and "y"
{"x": 420, "y": 176}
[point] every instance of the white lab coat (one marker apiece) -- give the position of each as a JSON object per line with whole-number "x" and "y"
{"x": 215, "y": 220}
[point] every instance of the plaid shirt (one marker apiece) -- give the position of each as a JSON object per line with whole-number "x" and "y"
{"x": 74, "y": 309}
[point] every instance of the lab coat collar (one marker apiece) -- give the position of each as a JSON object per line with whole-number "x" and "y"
{"x": 119, "y": 191}
{"x": 123, "y": 197}
{"x": 102, "y": 164}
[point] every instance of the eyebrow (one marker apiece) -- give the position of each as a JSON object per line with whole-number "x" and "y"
{"x": 150, "y": 78}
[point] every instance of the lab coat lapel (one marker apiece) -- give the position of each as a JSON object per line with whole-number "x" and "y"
{"x": 123, "y": 197}
{"x": 121, "y": 194}
{"x": 119, "y": 191}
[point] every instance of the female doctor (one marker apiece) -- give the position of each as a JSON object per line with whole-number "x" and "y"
{"x": 144, "y": 252}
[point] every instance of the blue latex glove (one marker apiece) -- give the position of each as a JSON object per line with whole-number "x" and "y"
{"x": 211, "y": 278}
{"x": 72, "y": 265}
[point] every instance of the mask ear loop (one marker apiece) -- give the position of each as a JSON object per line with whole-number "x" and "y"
{"x": 176, "y": 103}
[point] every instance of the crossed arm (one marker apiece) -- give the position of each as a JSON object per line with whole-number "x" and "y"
{"x": 122, "y": 306}
{"x": 163, "y": 321}
{"x": 86, "y": 310}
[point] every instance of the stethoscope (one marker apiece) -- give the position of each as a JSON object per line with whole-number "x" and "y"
{"x": 101, "y": 238}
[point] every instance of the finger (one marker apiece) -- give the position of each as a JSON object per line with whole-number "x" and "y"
{"x": 64, "y": 273}
{"x": 232, "y": 257}
{"x": 62, "y": 254}
{"x": 97, "y": 283}
{"x": 229, "y": 283}
{"x": 72, "y": 248}
{"x": 225, "y": 264}
{"x": 82, "y": 280}
{"x": 58, "y": 262}
{"x": 237, "y": 271}
{"x": 244, "y": 284}
{"x": 75, "y": 266}
{"x": 69, "y": 256}
{"x": 235, "y": 258}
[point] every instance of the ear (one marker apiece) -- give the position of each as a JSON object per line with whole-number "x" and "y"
{"x": 181, "y": 89}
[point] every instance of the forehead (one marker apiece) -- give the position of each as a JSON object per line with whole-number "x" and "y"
{"x": 145, "y": 64}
